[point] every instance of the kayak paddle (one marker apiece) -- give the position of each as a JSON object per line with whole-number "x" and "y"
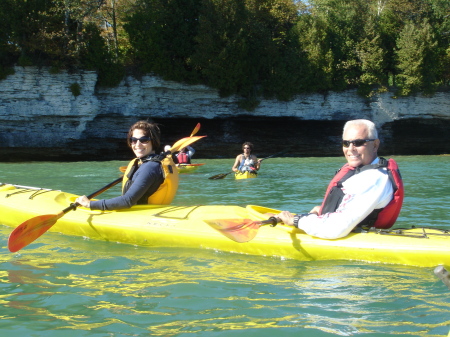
{"x": 33, "y": 228}
{"x": 194, "y": 132}
{"x": 223, "y": 175}
{"x": 241, "y": 230}
{"x": 220, "y": 176}
{"x": 183, "y": 142}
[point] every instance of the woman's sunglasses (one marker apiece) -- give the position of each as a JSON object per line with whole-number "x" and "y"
{"x": 143, "y": 140}
{"x": 356, "y": 142}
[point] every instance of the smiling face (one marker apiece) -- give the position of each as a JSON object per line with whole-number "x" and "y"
{"x": 139, "y": 149}
{"x": 361, "y": 155}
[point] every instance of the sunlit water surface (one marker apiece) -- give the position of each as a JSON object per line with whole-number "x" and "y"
{"x": 68, "y": 286}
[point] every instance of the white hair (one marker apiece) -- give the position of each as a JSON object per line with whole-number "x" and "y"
{"x": 371, "y": 128}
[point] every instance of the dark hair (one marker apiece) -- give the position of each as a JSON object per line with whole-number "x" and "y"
{"x": 150, "y": 130}
{"x": 250, "y": 145}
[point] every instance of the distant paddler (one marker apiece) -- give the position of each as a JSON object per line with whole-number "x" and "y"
{"x": 246, "y": 162}
{"x": 185, "y": 155}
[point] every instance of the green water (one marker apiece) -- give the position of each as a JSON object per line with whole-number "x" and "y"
{"x": 69, "y": 286}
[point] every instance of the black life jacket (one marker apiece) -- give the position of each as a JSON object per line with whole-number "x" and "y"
{"x": 379, "y": 218}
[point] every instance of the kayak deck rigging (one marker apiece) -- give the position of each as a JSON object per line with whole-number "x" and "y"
{"x": 39, "y": 191}
{"x": 404, "y": 232}
{"x": 24, "y": 189}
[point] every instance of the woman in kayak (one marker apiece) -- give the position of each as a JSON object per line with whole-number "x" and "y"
{"x": 149, "y": 178}
{"x": 246, "y": 161}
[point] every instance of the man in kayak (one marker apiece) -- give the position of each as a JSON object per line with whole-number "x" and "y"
{"x": 362, "y": 192}
{"x": 185, "y": 155}
{"x": 149, "y": 178}
{"x": 246, "y": 161}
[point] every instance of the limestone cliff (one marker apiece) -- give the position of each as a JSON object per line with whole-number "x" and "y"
{"x": 41, "y": 119}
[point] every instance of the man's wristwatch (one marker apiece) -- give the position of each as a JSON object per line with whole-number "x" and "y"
{"x": 298, "y": 217}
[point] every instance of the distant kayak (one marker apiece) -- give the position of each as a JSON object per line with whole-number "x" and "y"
{"x": 188, "y": 168}
{"x": 245, "y": 175}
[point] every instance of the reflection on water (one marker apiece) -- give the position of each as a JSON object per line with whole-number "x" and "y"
{"x": 62, "y": 285}
{"x": 70, "y": 283}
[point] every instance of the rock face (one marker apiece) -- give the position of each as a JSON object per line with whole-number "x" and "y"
{"x": 41, "y": 119}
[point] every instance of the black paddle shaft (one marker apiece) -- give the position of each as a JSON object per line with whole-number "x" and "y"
{"x": 272, "y": 221}
{"x": 276, "y": 154}
{"x": 74, "y": 205}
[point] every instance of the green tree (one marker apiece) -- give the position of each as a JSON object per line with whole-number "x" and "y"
{"x": 392, "y": 17}
{"x": 314, "y": 41}
{"x": 249, "y": 48}
{"x": 22, "y": 27}
{"x": 162, "y": 35}
{"x": 371, "y": 55}
{"x": 274, "y": 43}
{"x": 111, "y": 17}
{"x": 222, "y": 49}
{"x": 439, "y": 19}
{"x": 330, "y": 33}
{"x": 417, "y": 59}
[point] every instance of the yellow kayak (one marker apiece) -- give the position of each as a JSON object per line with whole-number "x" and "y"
{"x": 188, "y": 168}
{"x": 199, "y": 227}
{"x": 245, "y": 175}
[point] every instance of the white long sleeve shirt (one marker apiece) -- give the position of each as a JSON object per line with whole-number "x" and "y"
{"x": 363, "y": 193}
{"x": 190, "y": 151}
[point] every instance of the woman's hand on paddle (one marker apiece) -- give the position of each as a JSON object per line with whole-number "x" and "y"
{"x": 258, "y": 164}
{"x": 83, "y": 201}
{"x": 286, "y": 217}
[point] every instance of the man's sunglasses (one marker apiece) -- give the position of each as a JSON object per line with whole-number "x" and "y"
{"x": 356, "y": 142}
{"x": 143, "y": 140}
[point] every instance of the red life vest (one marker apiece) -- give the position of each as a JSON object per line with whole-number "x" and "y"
{"x": 380, "y": 218}
{"x": 183, "y": 158}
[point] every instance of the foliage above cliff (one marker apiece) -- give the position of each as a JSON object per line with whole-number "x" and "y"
{"x": 252, "y": 48}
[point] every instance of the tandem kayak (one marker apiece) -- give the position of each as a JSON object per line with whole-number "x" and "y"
{"x": 197, "y": 227}
{"x": 188, "y": 168}
{"x": 245, "y": 175}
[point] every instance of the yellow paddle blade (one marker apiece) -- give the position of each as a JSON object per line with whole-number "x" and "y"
{"x": 33, "y": 228}
{"x": 191, "y": 165}
{"x": 239, "y": 230}
{"x": 194, "y": 132}
{"x": 183, "y": 142}
{"x": 30, "y": 230}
